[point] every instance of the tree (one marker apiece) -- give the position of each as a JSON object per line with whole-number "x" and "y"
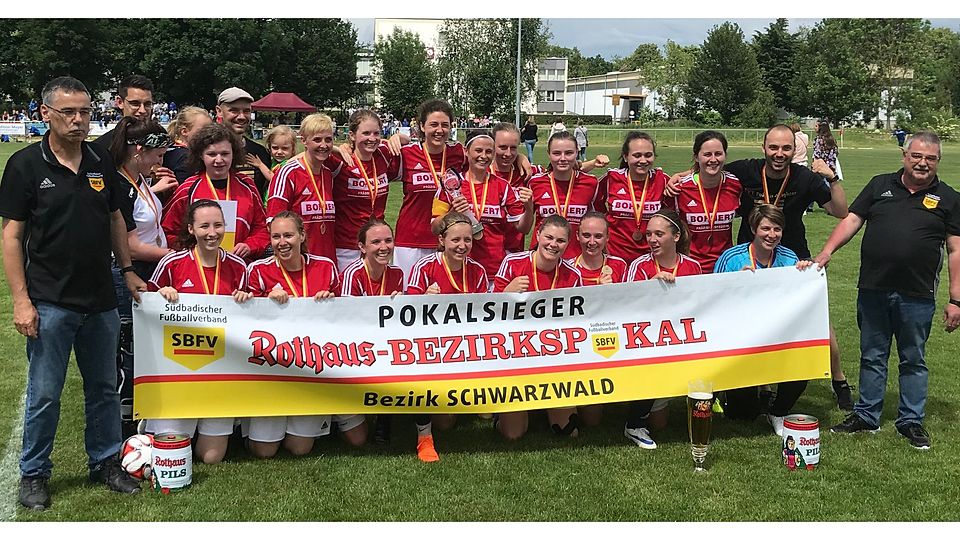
{"x": 775, "y": 49}
{"x": 12, "y": 80}
{"x": 644, "y": 55}
{"x": 835, "y": 82}
{"x": 725, "y": 76}
{"x": 405, "y": 76}
{"x": 50, "y": 48}
{"x": 669, "y": 76}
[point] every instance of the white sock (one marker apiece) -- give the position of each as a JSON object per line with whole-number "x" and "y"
{"x": 425, "y": 430}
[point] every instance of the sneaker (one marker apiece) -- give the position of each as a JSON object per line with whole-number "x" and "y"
{"x": 34, "y": 494}
{"x": 777, "y": 423}
{"x": 918, "y": 437}
{"x": 854, "y": 424}
{"x": 640, "y": 436}
{"x": 844, "y": 395}
{"x": 111, "y": 473}
{"x": 381, "y": 433}
{"x": 425, "y": 450}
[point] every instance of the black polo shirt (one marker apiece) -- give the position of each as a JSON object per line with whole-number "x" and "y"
{"x": 803, "y": 188}
{"x": 903, "y": 245}
{"x": 176, "y": 159}
{"x": 67, "y": 242}
{"x": 251, "y": 147}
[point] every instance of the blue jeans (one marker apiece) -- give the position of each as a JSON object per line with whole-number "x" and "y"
{"x": 529, "y": 145}
{"x": 93, "y": 337}
{"x": 882, "y": 315}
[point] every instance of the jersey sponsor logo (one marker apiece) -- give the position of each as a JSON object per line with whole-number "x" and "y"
{"x": 423, "y": 179}
{"x": 418, "y": 167}
{"x": 574, "y": 211}
{"x": 700, "y": 221}
{"x": 187, "y": 283}
{"x": 357, "y": 187}
{"x": 886, "y": 194}
{"x": 193, "y": 347}
{"x": 622, "y": 192}
{"x": 692, "y": 203}
{"x": 627, "y": 207}
{"x": 47, "y": 184}
{"x": 545, "y": 196}
{"x": 307, "y": 192}
{"x": 491, "y": 211}
{"x": 930, "y": 201}
{"x": 96, "y": 180}
{"x": 313, "y": 208}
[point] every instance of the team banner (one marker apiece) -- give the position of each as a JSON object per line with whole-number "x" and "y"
{"x": 207, "y": 356}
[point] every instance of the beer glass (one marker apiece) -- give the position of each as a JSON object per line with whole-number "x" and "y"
{"x": 699, "y": 416}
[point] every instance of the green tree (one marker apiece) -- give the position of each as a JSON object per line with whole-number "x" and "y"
{"x": 50, "y": 48}
{"x": 315, "y": 58}
{"x": 13, "y": 83}
{"x": 644, "y": 55}
{"x": 835, "y": 81}
{"x": 669, "y": 76}
{"x": 775, "y": 49}
{"x": 725, "y": 76}
{"x": 405, "y": 76}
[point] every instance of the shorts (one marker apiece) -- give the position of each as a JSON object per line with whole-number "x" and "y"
{"x": 660, "y": 404}
{"x": 271, "y": 429}
{"x": 406, "y": 257}
{"x": 346, "y": 256}
{"x": 211, "y": 427}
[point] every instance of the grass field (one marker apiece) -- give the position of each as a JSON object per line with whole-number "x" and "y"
{"x": 597, "y": 477}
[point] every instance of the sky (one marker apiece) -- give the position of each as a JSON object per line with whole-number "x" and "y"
{"x": 610, "y": 37}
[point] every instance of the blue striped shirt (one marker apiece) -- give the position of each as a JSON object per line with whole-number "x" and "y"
{"x": 738, "y": 257}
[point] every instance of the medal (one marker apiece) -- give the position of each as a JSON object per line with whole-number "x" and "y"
{"x": 766, "y": 190}
{"x": 562, "y": 210}
{"x": 323, "y": 228}
{"x": 443, "y": 163}
{"x": 533, "y": 270}
{"x": 319, "y": 192}
{"x": 158, "y": 241}
{"x": 711, "y": 215}
{"x": 606, "y": 271}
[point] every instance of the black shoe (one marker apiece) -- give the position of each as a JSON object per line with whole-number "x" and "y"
{"x": 128, "y": 429}
{"x": 111, "y": 473}
{"x": 853, "y": 424}
{"x": 766, "y": 400}
{"x": 34, "y": 493}
{"x": 844, "y": 395}
{"x": 918, "y": 437}
{"x": 381, "y": 433}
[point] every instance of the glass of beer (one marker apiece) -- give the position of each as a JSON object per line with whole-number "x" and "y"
{"x": 699, "y": 416}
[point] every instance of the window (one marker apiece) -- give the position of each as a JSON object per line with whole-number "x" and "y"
{"x": 551, "y": 95}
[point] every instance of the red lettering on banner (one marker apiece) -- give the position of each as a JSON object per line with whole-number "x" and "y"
{"x": 426, "y": 353}
{"x": 574, "y": 336}
{"x": 452, "y": 345}
{"x": 330, "y": 355}
{"x": 550, "y": 341}
{"x": 285, "y": 354}
{"x": 688, "y": 331}
{"x": 262, "y": 348}
{"x": 400, "y": 352}
{"x": 493, "y": 343}
{"x": 667, "y": 333}
{"x": 522, "y": 345}
{"x": 472, "y": 354}
{"x": 636, "y": 336}
{"x": 302, "y": 353}
{"x": 365, "y": 351}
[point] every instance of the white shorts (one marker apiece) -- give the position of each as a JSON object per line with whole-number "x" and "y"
{"x": 406, "y": 257}
{"x": 346, "y": 256}
{"x": 271, "y": 429}
{"x": 211, "y": 427}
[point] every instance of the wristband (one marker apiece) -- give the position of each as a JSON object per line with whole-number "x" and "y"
{"x": 955, "y": 302}
{"x": 126, "y": 269}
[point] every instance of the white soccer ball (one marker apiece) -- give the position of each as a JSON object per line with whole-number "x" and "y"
{"x": 136, "y": 455}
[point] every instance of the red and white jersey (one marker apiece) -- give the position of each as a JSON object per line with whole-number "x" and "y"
{"x": 622, "y": 207}
{"x": 293, "y": 189}
{"x": 318, "y": 274}
{"x": 472, "y": 278}
{"x": 251, "y": 220}
{"x": 706, "y": 242}
{"x": 617, "y": 266}
{"x": 181, "y": 271}
{"x": 501, "y": 211}
{"x": 355, "y": 202}
{"x": 552, "y": 198}
{"x": 355, "y": 281}
{"x": 521, "y": 264}
{"x": 513, "y": 239}
{"x": 419, "y": 189}
{"x": 645, "y": 267}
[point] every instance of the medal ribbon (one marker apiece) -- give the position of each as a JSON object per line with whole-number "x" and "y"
{"x": 374, "y": 186}
{"x": 321, "y": 195}
{"x": 383, "y": 280}
{"x": 556, "y": 199}
{"x": 509, "y": 180}
{"x": 766, "y": 191}
{"x": 443, "y": 163}
{"x": 145, "y": 196}
{"x": 203, "y": 276}
{"x": 638, "y": 213}
{"x": 753, "y": 258}
{"x": 466, "y": 287}
{"x": 579, "y": 264}
{"x": 216, "y": 196}
{"x": 303, "y": 278}
{"x": 711, "y": 216}
{"x": 676, "y": 267}
{"x": 479, "y": 205}
{"x": 556, "y": 272}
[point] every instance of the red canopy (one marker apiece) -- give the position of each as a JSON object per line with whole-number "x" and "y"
{"x": 283, "y": 101}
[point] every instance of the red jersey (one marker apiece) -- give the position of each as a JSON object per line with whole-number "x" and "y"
{"x": 432, "y": 269}
{"x": 360, "y": 192}
{"x": 592, "y": 277}
{"x": 710, "y": 221}
{"x": 521, "y": 264}
{"x": 569, "y": 199}
{"x": 251, "y": 226}
{"x": 294, "y": 188}
{"x": 355, "y": 281}
{"x": 628, "y": 206}
{"x": 645, "y": 267}
{"x": 182, "y": 271}
{"x": 420, "y": 186}
{"x": 513, "y": 239}
{"x": 501, "y": 211}
{"x": 318, "y": 274}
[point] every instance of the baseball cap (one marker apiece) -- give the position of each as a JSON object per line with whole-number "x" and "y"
{"x": 233, "y": 94}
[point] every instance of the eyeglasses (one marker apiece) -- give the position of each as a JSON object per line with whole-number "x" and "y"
{"x": 914, "y": 156}
{"x": 147, "y": 105}
{"x": 70, "y": 113}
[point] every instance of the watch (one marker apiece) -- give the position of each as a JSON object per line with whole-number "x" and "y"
{"x": 955, "y": 302}
{"x": 836, "y": 178}
{"x": 126, "y": 269}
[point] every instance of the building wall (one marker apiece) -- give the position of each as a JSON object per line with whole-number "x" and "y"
{"x": 552, "y": 75}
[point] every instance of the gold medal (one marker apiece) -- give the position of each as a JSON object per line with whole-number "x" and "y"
{"x": 158, "y": 241}
{"x": 638, "y": 235}
{"x": 606, "y": 271}
{"x": 323, "y": 228}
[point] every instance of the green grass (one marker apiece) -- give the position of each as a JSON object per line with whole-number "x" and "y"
{"x": 598, "y": 477}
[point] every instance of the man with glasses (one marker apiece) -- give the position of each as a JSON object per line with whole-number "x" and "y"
{"x": 60, "y": 203}
{"x": 234, "y": 109}
{"x": 910, "y": 215}
{"x": 134, "y": 98}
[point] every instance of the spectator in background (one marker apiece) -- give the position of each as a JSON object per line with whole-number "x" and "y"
{"x": 580, "y": 133}
{"x": 181, "y": 130}
{"x": 800, "y": 144}
{"x": 557, "y": 127}
{"x": 134, "y": 98}
{"x": 529, "y": 136}
{"x": 901, "y": 135}
{"x": 234, "y": 108}
{"x": 825, "y": 147}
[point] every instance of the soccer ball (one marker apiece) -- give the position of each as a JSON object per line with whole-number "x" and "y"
{"x": 136, "y": 455}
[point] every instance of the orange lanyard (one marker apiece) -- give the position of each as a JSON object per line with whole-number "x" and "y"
{"x": 321, "y": 195}
{"x": 579, "y": 264}
{"x": 374, "y": 186}
{"x": 145, "y": 196}
{"x": 711, "y": 216}
{"x": 303, "y": 278}
{"x": 637, "y": 212}
{"x": 676, "y": 267}
{"x": 556, "y": 199}
{"x": 753, "y": 258}
{"x": 556, "y": 273}
{"x": 496, "y": 172}
{"x": 479, "y": 205}
{"x": 443, "y": 163}
{"x": 465, "y": 288}
{"x": 213, "y": 190}
{"x": 383, "y": 279}
{"x": 766, "y": 192}
{"x": 203, "y": 276}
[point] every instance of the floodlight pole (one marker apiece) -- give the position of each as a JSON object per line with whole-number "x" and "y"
{"x": 516, "y": 119}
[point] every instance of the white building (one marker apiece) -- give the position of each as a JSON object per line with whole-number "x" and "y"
{"x": 615, "y": 94}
